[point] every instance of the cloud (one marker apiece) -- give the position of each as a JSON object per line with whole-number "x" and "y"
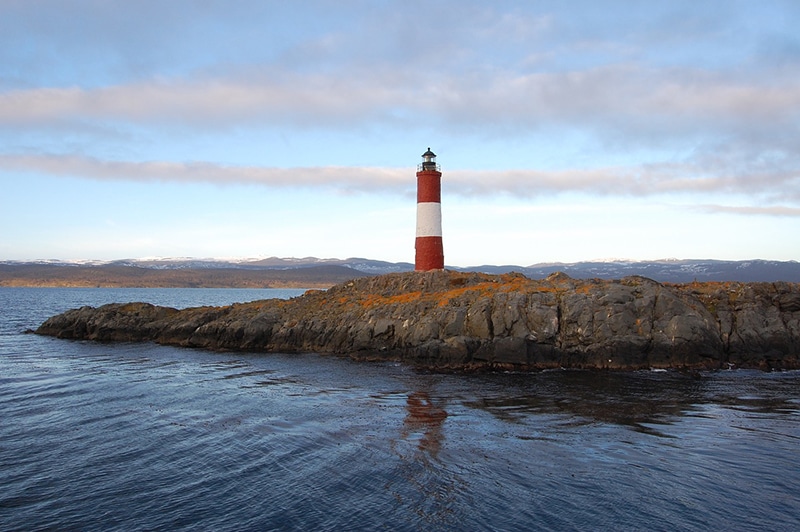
{"x": 627, "y": 100}
{"x": 344, "y": 178}
{"x": 678, "y": 75}
{"x": 645, "y": 180}
{"x": 635, "y": 181}
{"x": 774, "y": 210}
{"x": 204, "y": 104}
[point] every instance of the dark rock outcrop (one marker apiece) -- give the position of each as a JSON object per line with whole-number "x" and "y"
{"x": 445, "y": 319}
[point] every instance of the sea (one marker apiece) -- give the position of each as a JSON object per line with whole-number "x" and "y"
{"x": 137, "y": 436}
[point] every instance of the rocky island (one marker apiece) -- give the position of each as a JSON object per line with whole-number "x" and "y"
{"x": 465, "y": 321}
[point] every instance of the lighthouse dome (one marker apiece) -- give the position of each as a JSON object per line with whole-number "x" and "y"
{"x": 428, "y": 161}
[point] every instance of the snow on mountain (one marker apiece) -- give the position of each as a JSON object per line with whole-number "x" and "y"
{"x": 663, "y": 270}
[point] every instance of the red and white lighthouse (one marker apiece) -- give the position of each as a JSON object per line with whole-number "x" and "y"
{"x": 429, "y": 250}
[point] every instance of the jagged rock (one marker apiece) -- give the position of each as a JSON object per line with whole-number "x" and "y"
{"x": 447, "y": 319}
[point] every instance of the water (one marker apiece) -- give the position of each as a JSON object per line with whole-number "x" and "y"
{"x": 144, "y": 437}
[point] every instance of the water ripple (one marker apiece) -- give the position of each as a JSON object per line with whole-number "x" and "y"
{"x": 138, "y": 436}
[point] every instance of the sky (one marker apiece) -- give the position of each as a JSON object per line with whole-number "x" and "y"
{"x": 565, "y": 130}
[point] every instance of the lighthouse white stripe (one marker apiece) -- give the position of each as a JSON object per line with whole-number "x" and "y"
{"x": 429, "y": 219}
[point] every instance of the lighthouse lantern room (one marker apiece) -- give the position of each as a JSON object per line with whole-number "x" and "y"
{"x": 428, "y": 244}
{"x": 428, "y": 161}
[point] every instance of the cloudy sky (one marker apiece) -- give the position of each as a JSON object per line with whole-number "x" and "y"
{"x": 566, "y": 130}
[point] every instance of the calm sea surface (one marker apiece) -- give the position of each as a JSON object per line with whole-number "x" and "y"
{"x": 143, "y": 437}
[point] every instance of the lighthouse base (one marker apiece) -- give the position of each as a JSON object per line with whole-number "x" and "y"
{"x": 429, "y": 253}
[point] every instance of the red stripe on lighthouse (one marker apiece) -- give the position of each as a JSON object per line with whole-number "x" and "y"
{"x": 430, "y": 253}
{"x": 429, "y": 186}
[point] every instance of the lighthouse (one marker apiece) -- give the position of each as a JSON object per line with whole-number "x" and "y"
{"x": 429, "y": 250}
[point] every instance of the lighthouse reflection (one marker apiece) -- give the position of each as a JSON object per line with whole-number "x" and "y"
{"x": 429, "y": 486}
{"x": 424, "y": 423}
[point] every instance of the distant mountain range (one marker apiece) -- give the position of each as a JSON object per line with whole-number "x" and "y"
{"x": 310, "y": 272}
{"x": 666, "y": 271}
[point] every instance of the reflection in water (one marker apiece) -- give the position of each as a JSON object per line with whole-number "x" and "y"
{"x": 435, "y": 488}
{"x": 633, "y": 400}
{"x": 424, "y": 419}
